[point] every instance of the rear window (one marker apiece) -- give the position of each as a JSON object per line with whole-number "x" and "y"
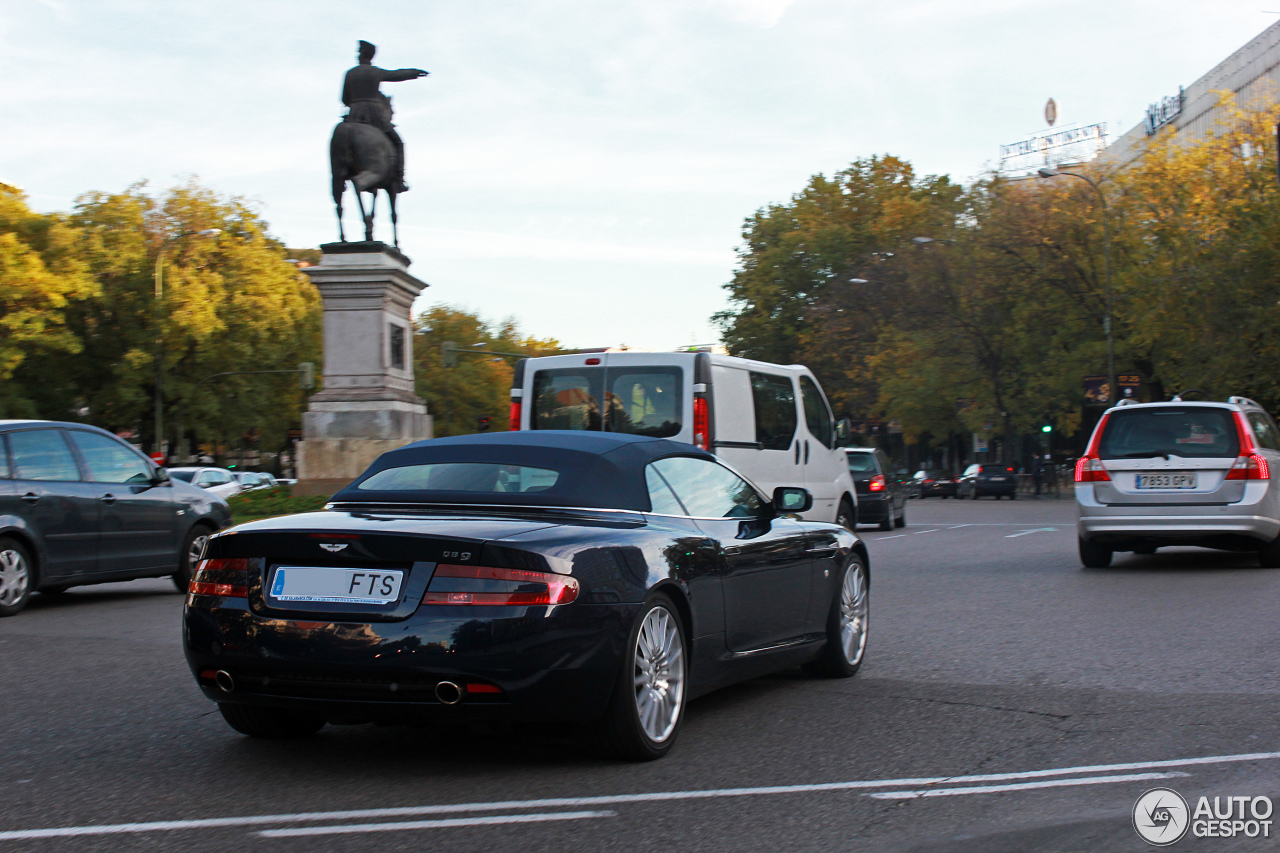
{"x": 1193, "y": 431}
{"x": 862, "y": 463}
{"x": 479, "y": 477}
{"x": 638, "y": 401}
{"x": 995, "y": 469}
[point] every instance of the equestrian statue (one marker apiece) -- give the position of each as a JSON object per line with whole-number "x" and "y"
{"x": 365, "y": 148}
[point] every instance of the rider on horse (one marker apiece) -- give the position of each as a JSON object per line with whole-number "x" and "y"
{"x": 369, "y": 106}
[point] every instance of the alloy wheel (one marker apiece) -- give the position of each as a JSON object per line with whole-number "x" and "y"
{"x": 659, "y": 674}
{"x": 196, "y": 550}
{"x": 14, "y": 576}
{"x": 853, "y": 614}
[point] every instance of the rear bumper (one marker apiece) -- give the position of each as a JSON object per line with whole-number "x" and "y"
{"x": 1222, "y": 525}
{"x": 874, "y": 508}
{"x": 548, "y": 667}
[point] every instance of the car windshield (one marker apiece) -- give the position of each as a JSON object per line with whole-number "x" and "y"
{"x": 1190, "y": 431}
{"x": 184, "y": 476}
{"x": 481, "y": 477}
{"x": 862, "y": 463}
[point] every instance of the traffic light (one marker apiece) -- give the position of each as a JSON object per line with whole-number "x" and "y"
{"x": 1046, "y": 428}
{"x": 307, "y": 375}
{"x": 483, "y": 423}
{"x": 449, "y": 354}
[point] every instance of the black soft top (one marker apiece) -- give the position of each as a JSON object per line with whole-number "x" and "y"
{"x": 598, "y": 470}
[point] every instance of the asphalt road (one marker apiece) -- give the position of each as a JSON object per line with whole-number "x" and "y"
{"x": 1010, "y": 701}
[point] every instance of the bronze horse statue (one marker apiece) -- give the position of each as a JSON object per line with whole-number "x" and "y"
{"x": 364, "y": 155}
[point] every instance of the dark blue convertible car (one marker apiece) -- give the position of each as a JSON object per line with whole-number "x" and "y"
{"x": 600, "y": 579}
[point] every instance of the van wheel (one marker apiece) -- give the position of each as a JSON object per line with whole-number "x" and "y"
{"x": 847, "y": 516}
{"x": 1094, "y": 556}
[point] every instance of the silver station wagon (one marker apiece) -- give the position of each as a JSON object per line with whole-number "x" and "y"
{"x": 1180, "y": 473}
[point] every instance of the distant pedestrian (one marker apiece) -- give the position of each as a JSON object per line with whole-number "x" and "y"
{"x": 1037, "y": 474}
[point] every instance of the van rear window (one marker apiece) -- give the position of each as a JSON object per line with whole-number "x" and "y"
{"x": 1191, "y": 431}
{"x": 639, "y": 401}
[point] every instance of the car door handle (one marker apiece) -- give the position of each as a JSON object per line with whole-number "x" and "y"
{"x": 108, "y": 498}
{"x": 30, "y": 497}
{"x": 824, "y": 551}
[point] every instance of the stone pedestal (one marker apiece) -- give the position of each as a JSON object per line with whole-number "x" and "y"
{"x": 368, "y": 405}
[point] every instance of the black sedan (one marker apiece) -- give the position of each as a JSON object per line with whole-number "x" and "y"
{"x": 597, "y": 579}
{"x": 935, "y": 482}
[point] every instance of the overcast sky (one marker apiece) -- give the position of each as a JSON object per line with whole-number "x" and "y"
{"x": 582, "y": 166}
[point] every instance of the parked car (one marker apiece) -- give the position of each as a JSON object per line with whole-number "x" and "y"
{"x": 252, "y": 480}
{"x": 995, "y": 480}
{"x": 597, "y": 580}
{"x": 80, "y": 506}
{"x": 1180, "y": 473}
{"x": 769, "y": 421}
{"x": 220, "y": 481}
{"x": 882, "y": 490}
{"x": 928, "y": 483}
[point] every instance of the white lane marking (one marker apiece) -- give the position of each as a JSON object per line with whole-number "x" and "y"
{"x": 431, "y": 824}
{"x": 958, "y": 526}
{"x": 1028, "y": 532}
{"x": 1021, "y": 786}
{"x": 934, "y": 530}
{"x": 894, "y": 536}
{"x": 614, "y": 799}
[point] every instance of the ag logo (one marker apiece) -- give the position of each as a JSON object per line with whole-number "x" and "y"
{"x": 1161, "y": 816}
{"x": 333, "y": 547}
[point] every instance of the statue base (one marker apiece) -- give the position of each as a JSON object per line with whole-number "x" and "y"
{"x": 368, "y": 405}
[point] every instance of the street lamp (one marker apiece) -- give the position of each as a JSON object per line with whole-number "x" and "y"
{"x": 1049, "y": 172}
{"x": 159, "y": 279}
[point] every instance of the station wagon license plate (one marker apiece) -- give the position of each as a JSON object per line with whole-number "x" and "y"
{"x": 342, "y": 586}
{"x": 1175, "y": 480}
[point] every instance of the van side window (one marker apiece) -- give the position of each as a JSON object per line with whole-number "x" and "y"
{"x": 816, "y": 414}
{"x": 774, "y": 400}
{"x": 4, "y": 458}
{"x": 644, "y": 402}
{"x": 1265, "y": 429}
{"x": 566, "y": 399}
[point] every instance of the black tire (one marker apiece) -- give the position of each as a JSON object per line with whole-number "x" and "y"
{"x": 1269, "y": 555}
{"x": 1013, "y": 497}
{"x": 17, "y": 576}
{"x": 901, "y": 520}
{"x": 846, "y": 515}
{"x": 271, "y": 723}
{"x": 836, "y": 661}
{"x": 974, "y": 494}
{"x": 622, "y": 733}
{"x": 887, "y": 522}
{"x": 1093, "y": 556}
{"x": 189, "y": 558}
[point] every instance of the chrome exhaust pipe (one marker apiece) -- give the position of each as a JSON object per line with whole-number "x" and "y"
{"x": 225, "y": 682}
{"x": 448, "y": 693}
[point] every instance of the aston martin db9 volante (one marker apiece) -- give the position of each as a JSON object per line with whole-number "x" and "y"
{"x": 597, "y": 579}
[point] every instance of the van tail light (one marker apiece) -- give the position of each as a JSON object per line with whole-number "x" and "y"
{"x": 465, "y": 586}
{"x": 701, "y": 424}
{"x": 878, "y": 483}
{"x": 515, "y": 416}
{"x": 227, "y": 578}
{"x": 1250, "y": 467}
{"x": 1089, "y": 470}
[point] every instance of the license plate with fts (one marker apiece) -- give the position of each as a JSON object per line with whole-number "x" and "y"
{"x": 1172, "y": 480}
{"x": 343, "y": 586}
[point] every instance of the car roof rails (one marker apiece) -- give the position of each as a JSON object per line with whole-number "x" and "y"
{"x": 1127, "y": 401}
{"x": 1177, "y": 398}
{"x": 1243, "y": 401}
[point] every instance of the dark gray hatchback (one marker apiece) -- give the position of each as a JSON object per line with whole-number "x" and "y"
{"x": 80, "y": 506}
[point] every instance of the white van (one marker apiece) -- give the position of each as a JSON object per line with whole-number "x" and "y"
{"x": 768, "y": 421}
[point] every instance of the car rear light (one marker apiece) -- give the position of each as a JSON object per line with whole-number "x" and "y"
{"x": 515, "y": 416}
{"x": 227, "y": 578}
{"x": 1251, "y": 467}
{"x": 1010, "y": 470}
{"x": 929, "y": 482}
{"x": 1089, "y": 470}
{"x": 472, "y": 687}
{"x": 878, "y": 483}
{"x": 701, "y": 424}
{"x": 548, "y": 588}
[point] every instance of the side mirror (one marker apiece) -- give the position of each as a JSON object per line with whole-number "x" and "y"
{"x": 159, "y": 477}
{"x": 789, "y": 499}
{"x": 844, "y": 429}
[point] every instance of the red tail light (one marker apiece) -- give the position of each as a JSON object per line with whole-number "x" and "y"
{"x": 515, "y": 416}
{"x": 701, "y": 424}
{"x": 555, "y": 589}
{"x": 1251, "y": 467}
{"x": 1089, "y": 470}
{"x": 228, "y": 578}
{"x": 878, "y": 483}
